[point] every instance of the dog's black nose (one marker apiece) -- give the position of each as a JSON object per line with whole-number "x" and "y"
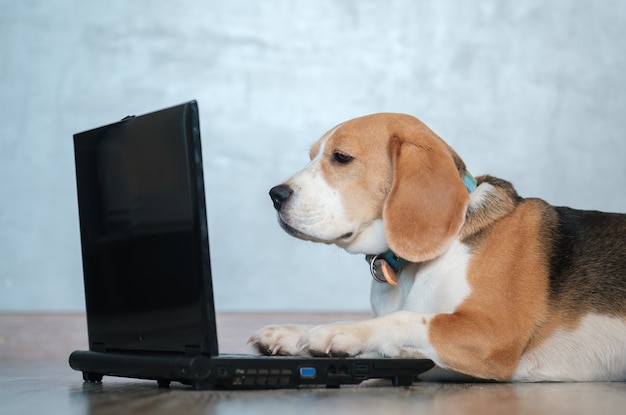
{"x": 279, "y": 194}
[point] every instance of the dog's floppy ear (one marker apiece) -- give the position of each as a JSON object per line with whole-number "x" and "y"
{"x": 427, "y": 202}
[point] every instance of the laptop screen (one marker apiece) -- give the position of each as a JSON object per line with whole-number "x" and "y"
{"x": 144, "y": 235}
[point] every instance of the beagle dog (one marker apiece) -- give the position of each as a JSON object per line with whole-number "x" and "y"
{"x": 466, "y": 272}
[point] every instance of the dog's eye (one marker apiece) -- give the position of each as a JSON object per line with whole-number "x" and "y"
{"x": 342, "y": 158}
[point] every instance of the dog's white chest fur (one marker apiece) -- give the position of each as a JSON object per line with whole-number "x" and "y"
{"x": 436, "y": 286}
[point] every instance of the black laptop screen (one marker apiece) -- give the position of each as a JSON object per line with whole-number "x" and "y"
{"x": 144, "y": 234}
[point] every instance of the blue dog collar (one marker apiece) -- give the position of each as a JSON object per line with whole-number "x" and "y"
{"x": 470, "y": 182}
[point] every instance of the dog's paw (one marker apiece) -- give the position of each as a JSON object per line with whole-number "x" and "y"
{"x": 337, "y": 340}
{"x": 280, "y": 340}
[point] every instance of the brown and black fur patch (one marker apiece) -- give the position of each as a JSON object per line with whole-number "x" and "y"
{"x": 498, "y": 203}
{"x": 587, "y": 256}
{"x": 585, "y": 250}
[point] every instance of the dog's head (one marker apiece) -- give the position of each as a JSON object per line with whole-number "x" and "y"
{"x": 377, "y": 182}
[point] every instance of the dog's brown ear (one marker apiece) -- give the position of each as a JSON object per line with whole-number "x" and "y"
{"x": 427, "y": 202}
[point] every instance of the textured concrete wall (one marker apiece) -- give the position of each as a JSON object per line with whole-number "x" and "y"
{"x": 533, "y": 91}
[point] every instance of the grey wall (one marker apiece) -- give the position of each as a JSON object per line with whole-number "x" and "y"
{"x": 532, "y": 91}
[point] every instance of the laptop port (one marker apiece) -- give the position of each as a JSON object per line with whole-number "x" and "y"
{"x": 337, "y": 371}
{"x": 308, "y": 372}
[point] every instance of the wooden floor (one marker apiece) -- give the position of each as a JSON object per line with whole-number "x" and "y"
{"x": 35, "y": 377}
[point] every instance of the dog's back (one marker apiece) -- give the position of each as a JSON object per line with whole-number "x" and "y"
{"x": 588, "y": 262}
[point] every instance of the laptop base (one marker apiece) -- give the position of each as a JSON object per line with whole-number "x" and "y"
{"x": 245, "y": 371}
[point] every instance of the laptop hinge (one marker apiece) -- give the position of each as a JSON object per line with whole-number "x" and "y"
{"x": 192, "y": 350}
{"x": 97, "y": 347}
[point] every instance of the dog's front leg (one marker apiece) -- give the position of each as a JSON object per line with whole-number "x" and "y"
{"x": 402, "y": 334}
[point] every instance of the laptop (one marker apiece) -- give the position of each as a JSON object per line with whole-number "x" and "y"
{"x": 147, "y": 268}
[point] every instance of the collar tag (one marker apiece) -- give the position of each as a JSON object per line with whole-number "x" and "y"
{"x": 385, "y": 267}
{"x": 381, "y": 271}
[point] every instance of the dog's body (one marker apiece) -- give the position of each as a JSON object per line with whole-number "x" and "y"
{"x": 494, "y": 286}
